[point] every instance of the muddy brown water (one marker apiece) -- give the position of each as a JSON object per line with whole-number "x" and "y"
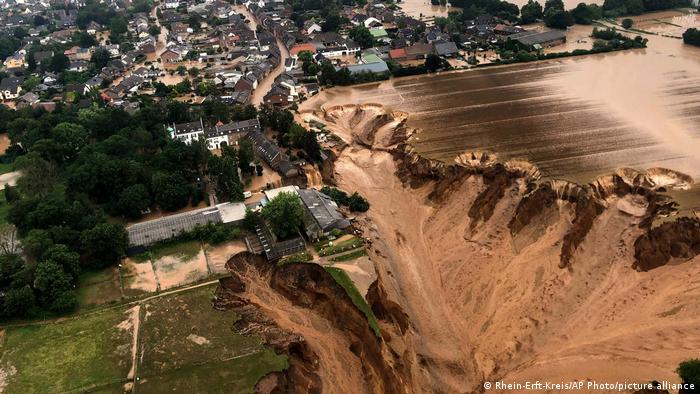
{"x": 575, "y": 118}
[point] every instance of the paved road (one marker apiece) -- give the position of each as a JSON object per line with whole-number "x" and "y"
{"x": 265, "y": 85}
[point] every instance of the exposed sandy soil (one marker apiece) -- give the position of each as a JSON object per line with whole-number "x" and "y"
{"x": 480, "y": 310}
{"x": 360, "y": 270}
{"x": 340, "y": 371}
{"x": 217, "y": 256}
{"x": 174, "y": 271}
{"x": 4, "y": 143}
{"x": 9, "y": 178}
{"x": 138, "y": 276}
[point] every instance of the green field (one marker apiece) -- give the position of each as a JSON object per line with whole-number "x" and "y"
{"x": 98, "y": 287}
{"x": 6, "y": 167}
{"x": 184, "y": 345}
{"x": 344, "y": 280}
{"x": 350, "y": 256}
{"x": 189, "y": 346}
{"x": 74, "y": 354}
{"x": 329, "y": 248}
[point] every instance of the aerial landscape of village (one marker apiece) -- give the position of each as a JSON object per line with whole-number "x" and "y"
{"x": 349, "y": 196}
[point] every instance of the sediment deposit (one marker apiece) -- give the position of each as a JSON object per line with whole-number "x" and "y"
{"x": 486, "y": 272}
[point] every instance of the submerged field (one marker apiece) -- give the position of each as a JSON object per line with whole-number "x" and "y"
{"x": 574, "y": 118}
{"x": 176, "y": 342}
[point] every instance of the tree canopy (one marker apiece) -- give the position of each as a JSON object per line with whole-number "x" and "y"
{"x": 284, "y": 214}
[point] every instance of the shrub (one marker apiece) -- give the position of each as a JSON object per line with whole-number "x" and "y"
{"x": 689, "y": 371}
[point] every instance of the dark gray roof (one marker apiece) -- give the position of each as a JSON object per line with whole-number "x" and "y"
{"x": 264, "y": 147}
{"x": 445, "y": 48}
{"x": 530, "y": 38}
{"x": 323, "y": 210}
{"x": 152, "y": 231}
{"x": 191, "y": 127}
{"x": 243, "y": 126}
{"x": 377, "y": 68}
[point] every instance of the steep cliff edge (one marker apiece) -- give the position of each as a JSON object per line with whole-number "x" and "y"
{"x": 301, "y": 311}
{"x": 504, "y": 276}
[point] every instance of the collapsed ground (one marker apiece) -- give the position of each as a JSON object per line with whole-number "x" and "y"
{"x": 479, "y": 280}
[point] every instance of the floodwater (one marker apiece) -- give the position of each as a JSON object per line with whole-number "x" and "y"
{"x": 575, "y": 118}
{"x": 424, "y": 9}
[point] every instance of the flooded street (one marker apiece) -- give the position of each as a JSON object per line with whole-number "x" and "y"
{"x": 575, "y": 118}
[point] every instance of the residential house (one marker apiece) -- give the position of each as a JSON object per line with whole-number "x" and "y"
{"x": 445, "y": 49}
{"x": 322, "y": 214}
{"x": 11, "y": 87}
{"x": 170, "y": 56}
{"x": 16, "y": 61}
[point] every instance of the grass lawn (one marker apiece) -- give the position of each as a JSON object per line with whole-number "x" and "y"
{"x": 237, "y": 375}
{"x": 326, "y": 249}
{"x": 98, "y": 287}
{"x": 6, "y": 167}
{"x": 344, "y": 280}
{"x": 350, "y": 256}
{"x": 190, "y": 347}
{"x": 301, "y": 257}
{"x": 74, "y": 354}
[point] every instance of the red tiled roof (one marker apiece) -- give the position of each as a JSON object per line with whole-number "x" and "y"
{"x": 397, "y": 53}
{"x": 302, "y": 47}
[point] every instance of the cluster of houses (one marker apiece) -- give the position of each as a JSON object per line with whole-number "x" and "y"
{"x": 230, "y": 134}
{"x": 321, "y": 217}
{"x": 232, "y": 56}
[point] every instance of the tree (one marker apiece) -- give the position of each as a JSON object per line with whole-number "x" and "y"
{"x": 285, "y": 214}
{"x": 19, "y": 302}
{"x": 171, "y": 191}
{"x": 84, "y": 40}
{"x": 71, "y": 139}
{"x": 310, "y": 145}
{"x": 357, "y": 203}
{"x": 52, "y": 283}
{"x": 362, "y": 36}
{"x": 133, "y": 200}
{"x": 692, "y": 37}
{"x": 64, "y": 257}
{"x": 245, "y": 156}
{"x": 59, "y": 62}
{"x": 11, "y": 193}
{"x": 224, "y": 171}
{"x": 558, "y": 18}
{"x": 627, "y": 23}
{"x": 585, "y": 14}
{"x": 100, "y": 58}
{"x": 689, "y": 371}
{"x": 531, "y": 12}
{"x": 104, "y": 244}
{"x": 154, "y": 30}
{"x": 432, "y": 62}
{"x": 332, "y": 22}
{"x": 553, "y": 4}
{"x": 117, "y": 27}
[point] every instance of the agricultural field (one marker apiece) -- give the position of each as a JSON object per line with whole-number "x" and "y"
{"x": 99, "y": 287}
{"x": 188, "y": 346}
{"x": 176, "y": 342}
{"x": 76, "y": 354}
